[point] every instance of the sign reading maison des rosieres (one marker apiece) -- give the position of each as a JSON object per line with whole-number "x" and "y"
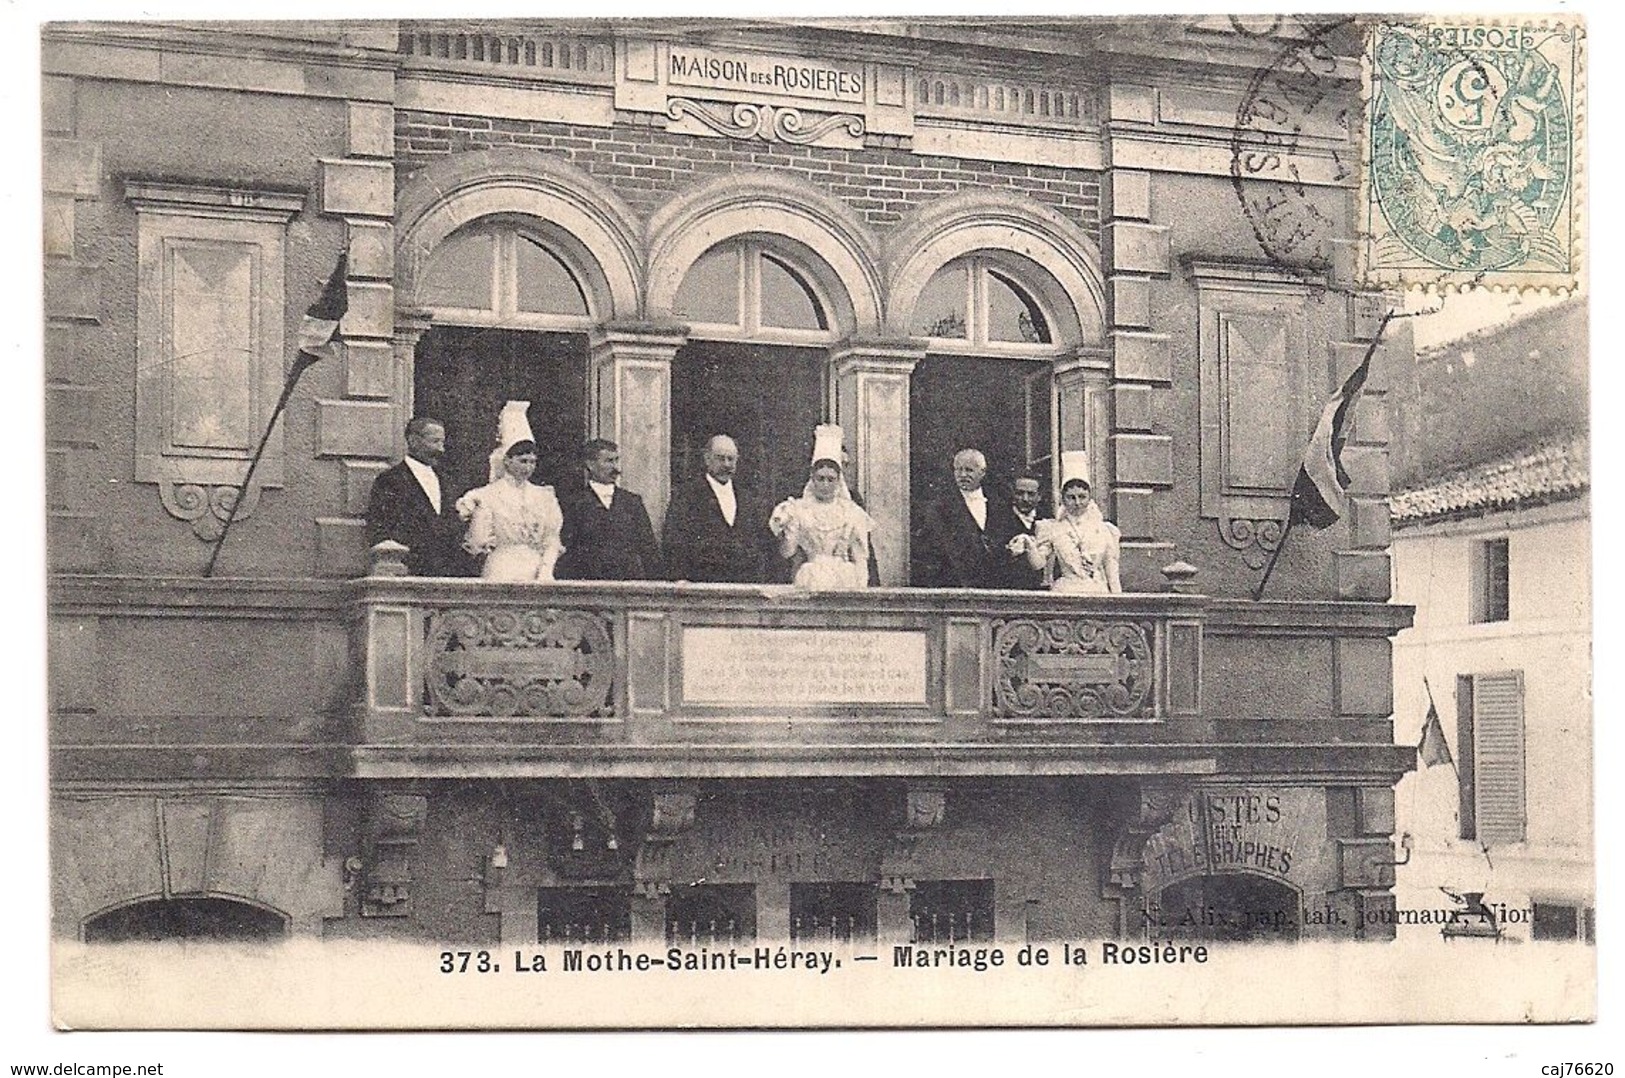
{"x": 754, "y": 667}
{"x": 787, "y": 75}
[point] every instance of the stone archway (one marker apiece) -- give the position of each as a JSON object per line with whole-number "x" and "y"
{"x": 186, "y": 917}
{"x": 1072, "y": 283}
{"x": 845, "y": 252}
{"x": 588, "y": 222}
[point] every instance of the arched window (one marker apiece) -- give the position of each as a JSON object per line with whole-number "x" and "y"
{"x": 976, "y": 304}
{"x": 498, "y": 272}
{"x": 191, "y": 918}
{"x": 742, "y": 289}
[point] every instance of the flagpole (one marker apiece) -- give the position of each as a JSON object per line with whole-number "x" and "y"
{"x": 302, "y": 362}
{"x": 1258, "y": 592}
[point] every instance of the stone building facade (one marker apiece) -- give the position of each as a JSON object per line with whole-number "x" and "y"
{"x": 1128, "y": 239}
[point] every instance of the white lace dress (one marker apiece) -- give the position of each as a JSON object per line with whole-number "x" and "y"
{"x": 1083, "y": 553}
{"x": 516, "y": 525}
{"x": 829, "y": 541}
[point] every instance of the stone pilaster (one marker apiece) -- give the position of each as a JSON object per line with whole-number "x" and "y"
{"x": 871, "y": 383}
{"x": 629, "y": 402}
{"x": 1363, "y": 570}
{"x": 1140, "y": 461}
{"x": 362, "y": 428}
{"x": 73, "y": 308}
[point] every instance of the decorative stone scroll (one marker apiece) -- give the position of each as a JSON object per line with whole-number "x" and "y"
{"x": 771, "y": 123}
{"x": 1256, "y": 539}
{"x": 1071, "y": 668}
{"x": 206, "y": 508}
{"x": 520, "y": 663}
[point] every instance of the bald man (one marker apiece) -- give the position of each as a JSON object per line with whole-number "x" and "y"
{"x": 715, "y": 531}
{"x": 954, "y": 547}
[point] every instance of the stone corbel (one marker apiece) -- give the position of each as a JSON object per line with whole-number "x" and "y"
{"x": 925, "y": 809}
{"x": 1159, "y": 800}
{"x": 394, "y": 827}
{"x": 1256, "y": 539}
{"x": 671, "y": 815}
{"x": 207, "y": 506}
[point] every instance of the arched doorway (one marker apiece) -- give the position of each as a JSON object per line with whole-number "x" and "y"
{"x": 1233, "y": 906}
{"x": 987, "y": 380}
{"x": 510, "y": 309}
{"x": 189, "y": 918}
{"x": 761, "y": 320}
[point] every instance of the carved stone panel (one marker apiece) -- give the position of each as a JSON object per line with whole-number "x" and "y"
{"x": 507, "y": 663}
{"x": 394, "y": 827}
{"x": 209, "y": 343}
{"x": 1072, "y": 668}
{"x": 770, "y": 123}
{"x": 1258, "y": 392}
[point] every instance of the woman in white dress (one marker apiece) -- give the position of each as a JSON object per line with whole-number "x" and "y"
{"x": 824, "y": 533}
{"x": 512, "y": 521}
{"x": 1080, "y": 547}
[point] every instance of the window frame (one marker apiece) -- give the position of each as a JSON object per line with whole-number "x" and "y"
{"x": 504, "y": 311}
{"x": 1490, "y": 573}
{"x": 173, "y": 216}
{"x": 751, "y": 251}
{"x": 977, "y": 342}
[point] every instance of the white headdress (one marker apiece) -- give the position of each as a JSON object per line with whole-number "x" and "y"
{"x": 829, "y": 443}
{"x": 513, "y": 425}
{"x": 1074, "y": 465}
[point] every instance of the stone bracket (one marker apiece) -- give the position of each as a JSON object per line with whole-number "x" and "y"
{"x": 394, "y": 827}
{"x": 1159, "y": 799}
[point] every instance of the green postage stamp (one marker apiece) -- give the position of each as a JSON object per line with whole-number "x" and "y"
{"x": 1474, "y": 136}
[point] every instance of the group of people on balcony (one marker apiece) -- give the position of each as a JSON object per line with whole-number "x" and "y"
{"x": 716, "y": 531}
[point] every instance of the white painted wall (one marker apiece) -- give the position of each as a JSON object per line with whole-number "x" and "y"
{"x": 1548, "y": 637}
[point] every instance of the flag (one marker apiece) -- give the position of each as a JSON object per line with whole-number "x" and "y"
{"x": 319, "y": 335}
{"x": 1433, "y": 748}
{"x": 1320, "y": 493}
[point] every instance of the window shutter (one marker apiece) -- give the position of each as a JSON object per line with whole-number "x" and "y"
{"x": 1499, "y": 751}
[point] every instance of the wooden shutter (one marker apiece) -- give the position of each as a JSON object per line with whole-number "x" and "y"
{"x": 1498, "y": 744}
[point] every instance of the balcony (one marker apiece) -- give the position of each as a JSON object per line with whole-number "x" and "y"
{"x": 469, "y": 678}
{"x": 180, "y": 678}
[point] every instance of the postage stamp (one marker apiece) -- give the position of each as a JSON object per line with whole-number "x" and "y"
{"x": 1473, "y": 142}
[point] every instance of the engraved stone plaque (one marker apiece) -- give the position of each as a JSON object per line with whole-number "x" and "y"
{"x": 794, "y": 667}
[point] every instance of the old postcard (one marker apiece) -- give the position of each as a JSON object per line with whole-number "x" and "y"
{"x": 723, "y": 522}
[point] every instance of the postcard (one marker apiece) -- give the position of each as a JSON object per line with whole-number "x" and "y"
{"x": 793, "y": 523}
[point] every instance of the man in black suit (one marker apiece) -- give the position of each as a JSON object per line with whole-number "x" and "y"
{"x": 607, "y": 534}
{"x": 408, "y": 506}
{"x": 716, "y": 532}
{"x": 953, "y": 548}
{"x": 1006, "y": 522}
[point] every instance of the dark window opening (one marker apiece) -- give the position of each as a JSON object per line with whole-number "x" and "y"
{"x": 951, "y": 911}
{"x": 711, "y": 913}
{"x": 583, "y": 915}
{"x": 1225, "y": 906}
{"x": 1558, "y": 922}
{"x": 1491, "y": 581}
{"x": 832, "y": 912}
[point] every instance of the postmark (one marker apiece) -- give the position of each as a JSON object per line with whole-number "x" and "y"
{"x": 1472, "y": 155}
{"x": 1291, "y": 149}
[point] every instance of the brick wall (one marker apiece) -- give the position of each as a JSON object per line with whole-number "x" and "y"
{"x": 645, "y": 165}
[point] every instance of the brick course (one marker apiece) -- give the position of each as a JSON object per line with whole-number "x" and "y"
{"x": 646, "y": 165}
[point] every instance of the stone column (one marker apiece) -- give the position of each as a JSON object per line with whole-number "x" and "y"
{"x": 629, "y": 402}
{"x": 870, "y": 381}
